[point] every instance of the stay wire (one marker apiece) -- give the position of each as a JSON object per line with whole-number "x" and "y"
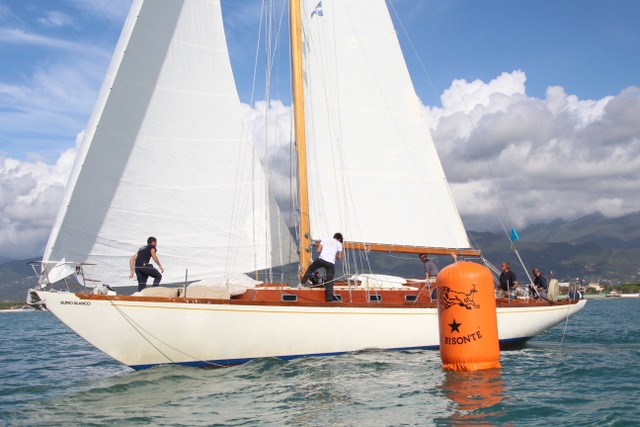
{"x": 138, "y": 328}
{"x": 566, "y": 324}
{"x": 473, "y": 126}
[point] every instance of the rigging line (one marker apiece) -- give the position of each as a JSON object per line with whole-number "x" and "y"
{"x": 321, "y": 58}
{"x": 267, "y": 91}
{"x": 232, "y": 252}
{"x": 281, "y": 234}
{"x": 448, "y": 189}
{"x": 491, "y": 173}
{"x": 566, "y": 324}
{"x": 134, "y": 324}
{"x": 248, "y": 199}
{"x": 335, "y": 118}
{"x": 335, "y": 132}
{"x": 138, "y": 329}
{"x": 467, "y": 113}
{"x": 335, "y": 279}
{"x": 490, "y": 266}
{"x": 255, "y": 60}
{"x": 271, "y": 50}
{"x": 320, "y": 54}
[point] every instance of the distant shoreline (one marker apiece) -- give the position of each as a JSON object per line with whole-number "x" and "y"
{"x": 14, "y": 306}
{"x": 609, "y": 296}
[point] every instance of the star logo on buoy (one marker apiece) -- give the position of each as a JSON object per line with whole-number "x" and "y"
{"x": 455, "y": 326}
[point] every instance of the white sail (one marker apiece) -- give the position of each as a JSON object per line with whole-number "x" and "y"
{"x": 376, "y": 175}
{"x": 166, "y": 154}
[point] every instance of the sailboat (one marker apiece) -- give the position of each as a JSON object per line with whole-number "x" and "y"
{"x": 167, "y": 152}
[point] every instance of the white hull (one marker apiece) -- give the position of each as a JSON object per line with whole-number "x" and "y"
{"x": 141, "y": 334}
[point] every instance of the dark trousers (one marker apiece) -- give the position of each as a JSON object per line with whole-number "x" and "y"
{"x": 331, "y": 271}
{"x": 143, "y": 273}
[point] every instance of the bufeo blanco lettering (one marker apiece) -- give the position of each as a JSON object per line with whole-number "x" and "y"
{"x": 75, "y": 302}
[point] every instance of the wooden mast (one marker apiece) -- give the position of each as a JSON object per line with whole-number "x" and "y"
{"x": 300, "y": 138}
{"x": 306, "y": 244}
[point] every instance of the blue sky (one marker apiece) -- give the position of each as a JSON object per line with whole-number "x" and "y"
{"x": 570, "y": 68}
{"x": 589, "y": 47}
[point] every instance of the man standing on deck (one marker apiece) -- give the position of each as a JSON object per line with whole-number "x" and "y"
{"x": 329, "y": 250}
{"x": 430, "y": 269}
{"x": 143, "y": 268}
{"x": 508, "y": 279}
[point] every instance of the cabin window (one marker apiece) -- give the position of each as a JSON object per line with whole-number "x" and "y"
{"x": 289, "y": 297}
{"x": 337, "y": 297}
{"x": 375, "y": 298}
{"x": 410, "y": 298}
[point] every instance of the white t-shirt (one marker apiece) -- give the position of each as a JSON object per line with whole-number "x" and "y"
{"x": 330, "y": 247}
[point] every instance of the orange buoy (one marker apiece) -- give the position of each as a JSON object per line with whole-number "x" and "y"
{"x": 467, "y": 318}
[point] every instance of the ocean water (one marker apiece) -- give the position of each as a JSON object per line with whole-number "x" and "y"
{"x": 584, "y": 373}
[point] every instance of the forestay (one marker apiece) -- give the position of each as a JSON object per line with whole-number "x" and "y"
{"x": 166, "y": 154}
{"x": 374, "y": 171}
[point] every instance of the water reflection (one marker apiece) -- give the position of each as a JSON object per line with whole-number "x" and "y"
{"x": 475, "y": 395}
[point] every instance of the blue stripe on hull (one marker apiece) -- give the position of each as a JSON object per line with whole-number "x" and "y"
{"x": 513, "y": 342}
{"x": 233, "y": 362}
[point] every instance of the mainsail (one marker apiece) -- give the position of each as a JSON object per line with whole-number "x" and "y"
{"x": 166, "y": 154}
{"x": 374, "y": 173}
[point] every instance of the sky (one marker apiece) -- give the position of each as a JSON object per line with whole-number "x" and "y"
{"x": 534, "y": 106}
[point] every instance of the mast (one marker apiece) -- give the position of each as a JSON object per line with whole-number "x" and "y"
{"x": 300, "y": 138}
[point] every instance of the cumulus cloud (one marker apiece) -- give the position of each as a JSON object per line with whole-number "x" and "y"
{"x": 270, "y": 129}
{"x": 519, "y": 160}
{"x": 30, "y": 196}
{"x": 509, "y": 158}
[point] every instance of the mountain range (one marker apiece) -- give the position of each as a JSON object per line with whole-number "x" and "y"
{"x": 593, "y": 248}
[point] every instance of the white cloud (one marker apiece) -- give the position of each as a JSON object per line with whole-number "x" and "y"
{"x": 21, "y": 36}
{"x": 55, "y": 19}
{"x": 560, "y": 157}
{"x": 114, "y": 10}
{"x": 270, "y": 129}
{"x": 30, "y": 196}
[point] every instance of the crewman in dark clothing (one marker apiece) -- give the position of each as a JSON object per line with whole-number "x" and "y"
{"x": 143, "y": 268}
{"x": 540, "y": 283}
{"x": 508, "y": 280}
